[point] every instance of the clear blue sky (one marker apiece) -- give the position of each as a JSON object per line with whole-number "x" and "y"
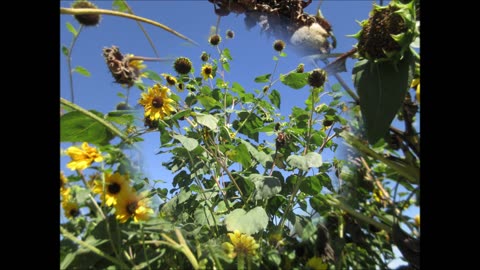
{"x": 252, "y": 56}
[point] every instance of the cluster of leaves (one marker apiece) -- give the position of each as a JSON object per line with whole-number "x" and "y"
{"x": 225, "y": 179}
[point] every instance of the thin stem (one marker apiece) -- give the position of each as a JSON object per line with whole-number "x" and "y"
{"x": 80, "y": 11}
{"x": 111, "y": 127}
{"x": 69, "y": 63}
{"x": 95, "y": 250}
{"x": 347, "y": 88}
{"x": 325, "y": 141}
{"x": 142, "y": 234}
{"x": 290, "y": 202}
{"x": 310, "y": 124}
{"x": 218, "y": 265}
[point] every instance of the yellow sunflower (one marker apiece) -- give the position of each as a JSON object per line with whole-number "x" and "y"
{"x": 115, "y": 185}
{"x": 241, "y": 243}
{"x": 82, "y": 158}
{"x": 66, "y": 195}
{"x": 207, "y": 71}
{"x": 156, "y": 102}
{"x": 171, "y": 81}
{"x": 130, "y": 204}
{"x": 63, "y": 181}
{"x": 70, "y": 209}
{"x": 136, "y": 65}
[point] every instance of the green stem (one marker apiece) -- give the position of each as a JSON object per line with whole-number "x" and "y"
{"x": 240, "y": 261}
{"x": 69, "y": 62}
{"x": 310, "y": 124}
{"x": 102, "y": 121}
{"x": 142, "y": 234}
{"x": 80, "y": 11}
{"x": 218, "y": 265}
{"x": 290, "y": 202}
{"x": 95, "y": 250}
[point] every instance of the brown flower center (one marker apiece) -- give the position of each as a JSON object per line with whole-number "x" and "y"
{"x": 113, "y": 188}
{"x": 157, "y": 102}
{"x": 208, "y": 70}
{"x": 74, "y": 212}
{"x": 170, "y": 80}
{"x": 131, "y": 207}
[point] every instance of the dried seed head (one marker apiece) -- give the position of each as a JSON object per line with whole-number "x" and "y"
{"x": 182, "y": 65}
{"x": 279, "y": 45}
{"x": 214, "y": 39}
{"x": 86, "y": 19}
{"x": 317, "y": 77}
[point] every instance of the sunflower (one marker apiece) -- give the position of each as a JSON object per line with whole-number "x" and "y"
{"x": 63, "y": 181}
{"x": 136, "y": 65}
{"x": 115, "y": 185}
{"x": 131, "y": 204}
{"x": 207, "y": 71}
{"x": 82, "y": 158}
{"x": 171, "y": 81}
{"x": 156, "y": 102}
{"x": 241, "y": 243}
{"x": 70, "y": 209}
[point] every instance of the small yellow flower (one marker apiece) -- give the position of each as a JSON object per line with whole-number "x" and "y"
{"x": 115, "y": 185}
{"x": 137, "y": 65}
{"x": 70, "y": 209}
{"x": 156, "y": 102}
{"x": 417, "y": 220}
{"x": 82, "y": 158}
{"x": 171, "y": 81}
{"x": 207, "y": 71}
{"x": 63, "y": 181}
{"x": 130, "y": 204}
{"x": 242, "y": 243}
{"x": 66, "y": 196}
{"x": 317, "y": 263}
{"x": 416, "y": 83}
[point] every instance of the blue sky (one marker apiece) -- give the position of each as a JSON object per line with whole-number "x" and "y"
{"x": 252, "y": 56}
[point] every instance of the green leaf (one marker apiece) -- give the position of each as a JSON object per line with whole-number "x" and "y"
{"x": 65, "y": 50}
{"x": 263, "y": 78}
{"x": 119, "y": 5}
{"x": 208, "y": 102}
{"x": 188, "y": 143}
{"x": 207, "y": 120}
{"x": 226, "y": 66}
{"x": 72, "y": 29}
{"x": 275, "y": 98}
{"x": 203, "y": 216}
{"x": 275, "y": 58}
{"x": 77, "y": 127}
{"x": 237, "y": 88}
{"x": 240, "y": 154}
{"x": 152, "y": 75}
{"x": 381, "y": 88}
{"x": 247, "y": 222}
{"x": 283, "y": 54}
{"x": 226, "y": 53}
{"x": 250, "y": 126}
{"x": 82, "y": 71}
{"x": 295, "y": 80}
{"x": 311, "y": 185}
{"x": 259, "y": 156}
{"x": 303, "y": 163}
{"x": 121, "y": 119}
{"x": 265, "y": 186}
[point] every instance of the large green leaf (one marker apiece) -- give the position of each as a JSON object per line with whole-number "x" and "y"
{"x": 311, "y": 185}
{"x": 77, "y": 127}
{"x": 240, "y": 154}
{"x": 247, "y": 222}
{"x": 295, "y": 80}
{"x": 208, "y": 102}
{"x": 303, "y": 163}
{"x": 265, "y": 186}
{"x": 207, "y": 120}
{"x": 381, "y": 88}
{"x": 259, "y": 156}
{"x": 188, "y": 143}
{"x": 251, "y": 124}
{"x": 275, "y": 98}
{"x": 203, "y": 216}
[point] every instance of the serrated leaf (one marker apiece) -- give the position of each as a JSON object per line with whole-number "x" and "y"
{"x": 203, "y": 216}
{"x": 275, "y": 98}
{"x": 82, "y": 71}
{"x": 71, "y": 29}
{"x": 208, "y": 102}
{"x": 295, "y": 80}
{"x": 265, "y": 186}
{"x": 64, "y": 50}
{"x": 247, "y": 222}
{"x": 188, "y": 143}
{"x": 152, "y": 75}
{"x": 263, "y": 78}
{"x": 381, "y": 88}
{"x": 77, "y": 127}
{"x": 207, "y": 120}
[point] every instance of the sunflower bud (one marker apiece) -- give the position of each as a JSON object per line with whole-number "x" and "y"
{"x": 204, "y": 57}
{"x": 279, "y": 45}
{"x": 182, "y": 65}
{"x": 86, "y": 19}
{"x": 300, "y": 68}
{"x": 230, "y": 34}
{"x": 389, "y": 31}
{"x": 317, "y": 77}
{"x": 214, "y": 40}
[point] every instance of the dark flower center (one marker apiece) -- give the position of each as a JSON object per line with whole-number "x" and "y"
{"x": 113, "y": 188}
{"x": 157, "y": 102}
{"x": 170, "y": 80}
{"x": 208, "y": 70}
{"x": 74, "y": 212}
{"x": 131, "y": 207}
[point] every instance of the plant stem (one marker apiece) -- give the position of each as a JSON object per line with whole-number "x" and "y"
{"x": 142, "y": 234}
{"x": 69, "y": 62}
{"x": 80, "y": 11}
{"x": 290, "y": 202}
{"x": 95, "y": 250}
